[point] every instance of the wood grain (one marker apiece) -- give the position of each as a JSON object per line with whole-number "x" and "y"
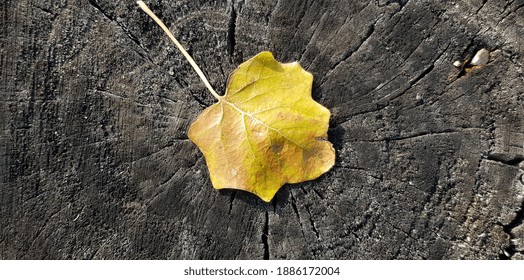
{"x": 95, "y": 104}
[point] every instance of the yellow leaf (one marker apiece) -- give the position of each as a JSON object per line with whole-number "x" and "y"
{"x": 266, "y": 130}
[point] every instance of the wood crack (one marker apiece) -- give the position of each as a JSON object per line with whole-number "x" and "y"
{"x": 265, "y": 236}
{"x": 231, "y": 41}
{"x": 313, "y": 227}
{"x": 515, "y": 161}
{"x": 128, "y": 33}
{"x": 295, "y": 209}
{"x": 349, "y": 53}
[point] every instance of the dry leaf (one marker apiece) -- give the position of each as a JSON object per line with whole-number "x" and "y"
{"x": 266, "y": 130}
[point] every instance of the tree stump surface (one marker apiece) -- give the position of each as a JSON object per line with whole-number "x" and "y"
{"x": 96, "y": 102}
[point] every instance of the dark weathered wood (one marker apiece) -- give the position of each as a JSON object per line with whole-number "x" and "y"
{"x": 95, "y": 104}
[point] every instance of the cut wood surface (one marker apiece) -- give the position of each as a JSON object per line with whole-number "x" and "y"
{"x": 95, "y": 104}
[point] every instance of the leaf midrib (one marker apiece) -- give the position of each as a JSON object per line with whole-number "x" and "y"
{"x": 263, "y": 123}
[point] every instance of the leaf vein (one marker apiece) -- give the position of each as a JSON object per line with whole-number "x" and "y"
{"x": 252, "y": 83}
{"x": 247, "y": 138}
{"x": 266, "y": 125}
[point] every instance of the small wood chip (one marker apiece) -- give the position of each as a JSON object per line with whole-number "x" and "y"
{"x": 481, "y": 58}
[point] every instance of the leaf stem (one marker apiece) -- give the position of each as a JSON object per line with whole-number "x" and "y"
{"x": 146, "y": 9}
